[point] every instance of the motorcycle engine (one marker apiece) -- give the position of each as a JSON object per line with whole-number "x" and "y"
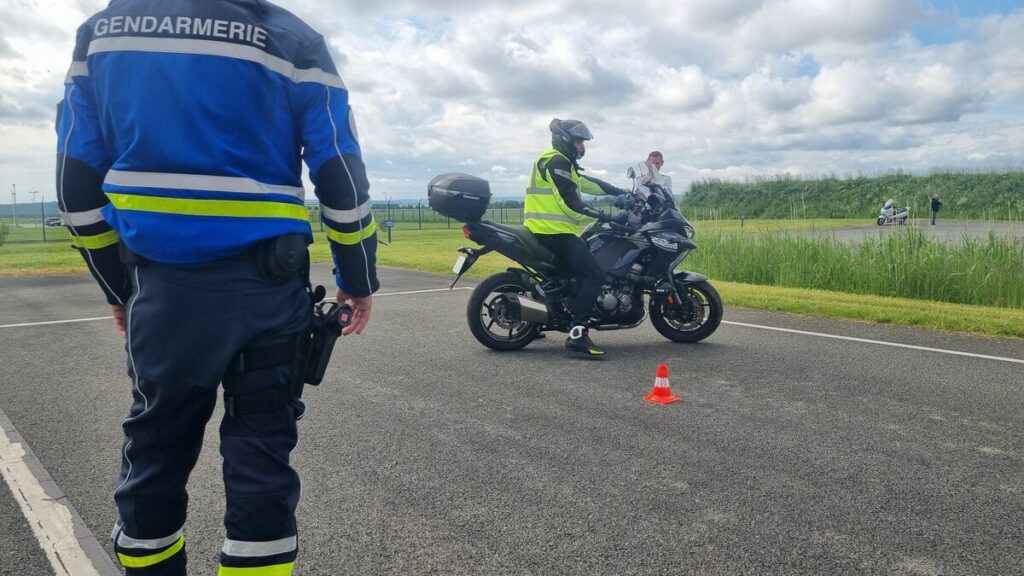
{"x": 615, "y": 301}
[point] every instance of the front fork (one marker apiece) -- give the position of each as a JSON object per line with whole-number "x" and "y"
{"x": 668, "y": 289}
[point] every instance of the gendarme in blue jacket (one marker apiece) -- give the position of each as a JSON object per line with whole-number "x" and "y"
{"x": 182, "y": 132}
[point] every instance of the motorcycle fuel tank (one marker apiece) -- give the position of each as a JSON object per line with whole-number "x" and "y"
{"x": 615, "y": 254}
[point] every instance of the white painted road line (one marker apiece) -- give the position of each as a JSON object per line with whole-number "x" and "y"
{"x": 744, "y": 324}
{"x": 23, "y": 325}
{"x": 61, "y": 533}
{"x": 409, "y": 292}
{"x": 55, "y": 322}
{"x": 878, "y": 342}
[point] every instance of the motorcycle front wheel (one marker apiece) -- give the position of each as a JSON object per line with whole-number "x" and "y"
{"x": 692, "y": 320}
{"x": 488, "y": 317}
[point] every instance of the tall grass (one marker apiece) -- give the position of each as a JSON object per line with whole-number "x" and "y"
{"x": 988, "y": 272}
{"x": 965, "y": 195}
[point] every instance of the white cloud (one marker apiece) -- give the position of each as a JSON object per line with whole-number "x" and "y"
{"x": 1003, "y": 50}
{"x": 680, "y": 90}
{"x": 854, "y": 91}
{"x": 836, "y": 26}
{"x": 726, "y": 88}
{"x": 773, "y": 93}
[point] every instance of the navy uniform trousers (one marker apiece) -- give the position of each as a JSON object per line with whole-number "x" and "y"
{"x": 185, "y": 324}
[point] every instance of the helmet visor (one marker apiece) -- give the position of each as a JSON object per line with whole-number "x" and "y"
{"x": 580, "y": 132}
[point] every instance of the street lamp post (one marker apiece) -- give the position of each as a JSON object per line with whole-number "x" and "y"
{"x": 14, "y": 204}
{"x": 42, "y": 213}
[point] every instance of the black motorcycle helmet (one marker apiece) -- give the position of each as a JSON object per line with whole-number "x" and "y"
{"x": 564, "y": 134}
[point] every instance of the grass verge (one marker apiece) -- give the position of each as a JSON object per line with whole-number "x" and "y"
{"x": 435, "y": 251}
{"x": 979, "y": 320}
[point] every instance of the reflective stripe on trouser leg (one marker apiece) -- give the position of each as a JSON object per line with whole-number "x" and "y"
{"x": 259, "y": 558}
{"x": 164, "y": 556}
{"x": 275, "y": 570}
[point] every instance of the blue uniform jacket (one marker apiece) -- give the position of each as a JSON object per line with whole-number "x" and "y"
{"x": 182, "y": 133}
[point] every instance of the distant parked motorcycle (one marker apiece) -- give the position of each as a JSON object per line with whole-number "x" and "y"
{"x": 509, "y": 310}
{"x": 890, "y": 216}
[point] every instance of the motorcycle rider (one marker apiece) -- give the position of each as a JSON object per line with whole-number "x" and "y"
{"x": 891, "y": 213}
{"x": 553, "y": 212}
{"x": 888, "y": 209}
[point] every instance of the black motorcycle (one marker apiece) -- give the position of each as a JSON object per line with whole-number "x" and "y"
{"x": 639, "y": 253}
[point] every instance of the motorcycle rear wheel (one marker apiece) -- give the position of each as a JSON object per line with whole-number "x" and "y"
{"x": 488, "y": 320}
{"x": 697, "y": 318}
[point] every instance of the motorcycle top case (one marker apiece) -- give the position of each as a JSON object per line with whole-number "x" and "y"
{"x": 460, "y": 196}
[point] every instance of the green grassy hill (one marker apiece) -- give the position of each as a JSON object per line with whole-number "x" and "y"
{"x": 965, "y": 195}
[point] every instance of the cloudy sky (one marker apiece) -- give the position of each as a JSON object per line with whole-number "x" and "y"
{"x": 725, "y": 88}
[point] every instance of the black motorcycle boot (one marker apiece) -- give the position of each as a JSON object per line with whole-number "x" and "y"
{"x": 579, "y": 341}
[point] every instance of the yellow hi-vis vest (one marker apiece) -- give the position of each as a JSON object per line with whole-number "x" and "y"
{"x": 544, "y": 211}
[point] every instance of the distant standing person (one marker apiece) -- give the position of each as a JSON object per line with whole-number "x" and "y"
{"x": 936, "y": 204}
{"x": 649, "y": 172}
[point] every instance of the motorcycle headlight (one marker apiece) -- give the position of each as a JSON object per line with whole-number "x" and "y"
{"x": 690, "y": 232}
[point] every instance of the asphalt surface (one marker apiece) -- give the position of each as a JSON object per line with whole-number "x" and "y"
{"x": 425, "y": 453}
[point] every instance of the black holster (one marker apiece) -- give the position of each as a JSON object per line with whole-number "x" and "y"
{"x": 324, "y": 332}
{"x": 308, "y": 352}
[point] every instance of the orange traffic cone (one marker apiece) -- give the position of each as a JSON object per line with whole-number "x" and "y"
{"x": 662, "y": 391}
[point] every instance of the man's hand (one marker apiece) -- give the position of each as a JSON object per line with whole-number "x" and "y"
{"x": 361, "y": 306}
{"x": 621, "y": 218}
{"x": 119, "y": 319}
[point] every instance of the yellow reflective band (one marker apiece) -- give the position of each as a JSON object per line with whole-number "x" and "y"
{"x": 275, "y": 570}
{"x": 197, "y": 207}
{"x": 96, "y": 242}
{"x": 350, "y": 238}
{"x": 588, "y": 187}
{"x": 143, "y": 561}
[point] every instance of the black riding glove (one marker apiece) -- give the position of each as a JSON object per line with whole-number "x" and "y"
{"x": 621, "y": 218}
{"x": 603, "y": 217}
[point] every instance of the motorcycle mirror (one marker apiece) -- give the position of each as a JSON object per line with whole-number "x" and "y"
{"x": 630, "y": 173}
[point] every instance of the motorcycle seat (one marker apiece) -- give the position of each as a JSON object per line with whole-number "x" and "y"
{"x": 529, "y": 240}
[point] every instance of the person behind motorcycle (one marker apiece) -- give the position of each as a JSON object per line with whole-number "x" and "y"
{"x": 648, "y": 173}
{"x": 889, "y": 209}
{"x": 553, "y": 212}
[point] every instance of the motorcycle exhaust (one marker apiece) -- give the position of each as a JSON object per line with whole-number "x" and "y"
{"x": 525, "y": 310}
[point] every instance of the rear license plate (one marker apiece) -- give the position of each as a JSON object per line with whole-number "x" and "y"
{"x": 459, "y": 263}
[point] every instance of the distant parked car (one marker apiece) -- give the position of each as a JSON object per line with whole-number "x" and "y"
{"x": 54, "y": 221}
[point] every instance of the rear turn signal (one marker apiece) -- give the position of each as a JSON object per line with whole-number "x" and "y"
{"x": 465, "y": 231}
